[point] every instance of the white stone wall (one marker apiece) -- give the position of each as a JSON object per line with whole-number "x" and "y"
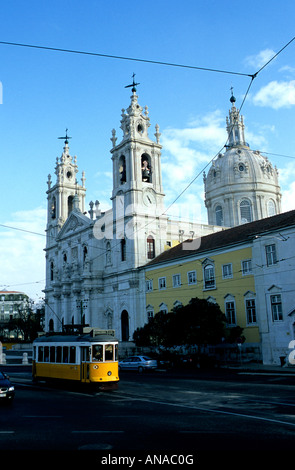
{"x": 276, "y": 279}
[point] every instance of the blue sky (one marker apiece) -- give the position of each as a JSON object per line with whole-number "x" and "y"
{"x": 45, "y": 92}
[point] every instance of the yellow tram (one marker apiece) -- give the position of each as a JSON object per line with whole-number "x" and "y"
{"x": 89, "y": 358}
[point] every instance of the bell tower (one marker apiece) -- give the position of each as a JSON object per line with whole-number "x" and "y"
{"x": 137, "y": 161}
{"x": 61, "y": 196}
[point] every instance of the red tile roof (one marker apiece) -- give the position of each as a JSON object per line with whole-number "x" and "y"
{"x": 227, "y": 237}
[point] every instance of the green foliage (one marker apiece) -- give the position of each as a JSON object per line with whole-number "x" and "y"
{"x": 197, "y": 323}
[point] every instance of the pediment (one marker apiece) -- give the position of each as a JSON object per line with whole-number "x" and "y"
{"x": 274, "y": 288}
{"x": 76, "y": 222}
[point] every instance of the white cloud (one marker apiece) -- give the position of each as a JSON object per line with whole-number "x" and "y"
{"x": 287, "y": 183}
{"x": 276, "y": 95}
{"x": 186, "y": 152}
{"x": 258, "y": 60}
{"x": 22, "y": 259}
{"x": 288, "y": 198}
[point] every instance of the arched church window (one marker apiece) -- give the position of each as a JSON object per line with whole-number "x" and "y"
{"x": 53, "y": 208}
{"x": 51, "y": 271}
{"x": 123, "y": 249}
{"x": 146, "y": 168}
{"x": 125, "y": 325}
{"x": 150, "y": 247}
{"x": 245, "y": 211}
{"x": 122, "y": 169}
{"x": 70, "y": 204}
{"x": 219, "y": 215}
{"x": 85, "y": 251}
{"x": 108, "y": 254}
{"x": 271, "y": 208}
{"x": 51, "y": 325}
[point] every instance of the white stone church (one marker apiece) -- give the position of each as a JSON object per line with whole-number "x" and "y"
{"x": 92, "y": 257}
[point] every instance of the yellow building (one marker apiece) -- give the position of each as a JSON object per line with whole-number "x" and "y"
{"x": 219, "y": 270}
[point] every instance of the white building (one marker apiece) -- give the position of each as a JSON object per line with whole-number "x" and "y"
{"x": 274, "y": 272}
{"x": 92, "y": 260}
{"x": 242, "y": 185}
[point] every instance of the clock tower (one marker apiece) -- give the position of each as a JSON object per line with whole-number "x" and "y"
{"x": 137, "y": 196}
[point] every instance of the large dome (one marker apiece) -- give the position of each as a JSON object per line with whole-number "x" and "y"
{"x": 242, "y": 184}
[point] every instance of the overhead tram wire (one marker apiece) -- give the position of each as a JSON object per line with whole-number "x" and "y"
{"x": 135, "y": 59}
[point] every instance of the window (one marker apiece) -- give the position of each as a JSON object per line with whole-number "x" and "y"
{"x": 271, "y": 208}
{"x": 219, "y": 215}
{"x": 108, "y": 254}
{"x": 192, "y": 277}
{"x": 271, "y": 255}
{"x": 122, "y": 169}
{"x": 162, "y": 283}
{"x": 230, "y": 313}
{"x": 109, "y": 352}
{"x": 51, "y": 271}
{"x": 245, "y": 212}
{"x": 70, "y": 204}
{"x": 227, "y": 271}
{"x": 149, "y": 285}
{"x": 58, "y": 354}
{"x": 146, "y": 168}
{"x": 52, "y": 354}
{"x": 209, "y": 277}
{"x": 150, "y": 247}
{"x": 123, "y": 249}
{"x": 163, "y": 308}
{"x": 251, "y": 311}
{"x": 176, "y": 280}
{"x": 246, "y": 267}
{"x": 150, "y": 314}
{"x": 40, "y": 354}
{"x": 97, "y": 352}
{"x": 276, "y": 307}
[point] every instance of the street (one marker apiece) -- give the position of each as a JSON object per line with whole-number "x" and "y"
{"x": 198, "y": 414}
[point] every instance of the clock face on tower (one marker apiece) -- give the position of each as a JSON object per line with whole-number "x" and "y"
{"x": 148, "y": 198}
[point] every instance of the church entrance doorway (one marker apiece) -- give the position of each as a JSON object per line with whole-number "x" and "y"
{"x": 125, "y": 325}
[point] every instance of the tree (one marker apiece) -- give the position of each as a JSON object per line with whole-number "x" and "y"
{"x": 198, "y": 323}
{"x": 28, "y": 323}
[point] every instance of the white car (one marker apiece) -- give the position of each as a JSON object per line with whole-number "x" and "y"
{"x": 139, "y": 363}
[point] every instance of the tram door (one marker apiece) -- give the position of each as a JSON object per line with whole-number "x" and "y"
{"x": 85, "y": 358}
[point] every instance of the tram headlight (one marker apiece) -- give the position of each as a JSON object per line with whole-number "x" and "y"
{"x": 109, "y": 373}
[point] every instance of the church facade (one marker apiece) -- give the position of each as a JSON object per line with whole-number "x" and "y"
{"x": 92, "y": 257}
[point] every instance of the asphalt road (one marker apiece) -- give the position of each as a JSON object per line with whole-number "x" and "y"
{"x": 208, "y": 415}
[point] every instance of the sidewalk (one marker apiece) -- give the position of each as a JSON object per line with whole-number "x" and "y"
{"x": 263, "y": 368}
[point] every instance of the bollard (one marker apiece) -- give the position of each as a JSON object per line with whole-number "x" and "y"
{"x": 25, "y": 358}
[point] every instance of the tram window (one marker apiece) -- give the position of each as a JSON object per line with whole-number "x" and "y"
{"x": 40, "y": 354}
{"x": 85, "y": 353}
{"x": 65, "y": 354}
{"x": 109, "y": 352}
{"x": 116, "y": 352}
{"x": 97, "y": 352}
{"x": 72, "y": 354}
{"x": 58, "y": 354}
{"x": 46, "y": 353}
{"x": 52, "y": 354}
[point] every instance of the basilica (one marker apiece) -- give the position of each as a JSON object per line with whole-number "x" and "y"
{"x": 94, "y": 258}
